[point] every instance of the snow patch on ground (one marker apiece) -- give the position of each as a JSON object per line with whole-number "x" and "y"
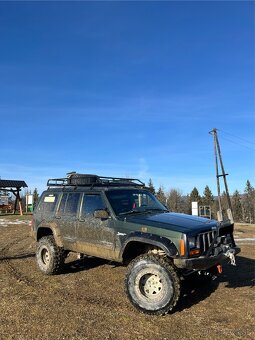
{"x": 245, "y": 240}
{"x": 6, "y": 223}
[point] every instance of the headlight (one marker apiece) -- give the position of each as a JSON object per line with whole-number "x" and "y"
{"x": 192, "y": 242}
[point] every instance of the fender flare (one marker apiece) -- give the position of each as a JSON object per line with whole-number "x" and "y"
{"x": 55, "y": 231}
{"x": 159, "y": 241}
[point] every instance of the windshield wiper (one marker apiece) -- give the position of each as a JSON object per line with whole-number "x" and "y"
{"x": 131, "y": 212}
{"x": 156, "y": 209}
{"x": 141, "y": 211}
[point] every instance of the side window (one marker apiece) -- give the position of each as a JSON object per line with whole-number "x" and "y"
{"x": 91, "y": 202}
{"x": 72, "y": 203}
{"x": 62, "y": 204}
{"x": 48, "y": 203}
{"x": 69, "y": 204}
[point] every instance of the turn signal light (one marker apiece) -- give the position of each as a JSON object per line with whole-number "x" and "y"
{"x": 194, "y": 252}
{"x": 219, "y": 268}
{"x": 182, "y": 248}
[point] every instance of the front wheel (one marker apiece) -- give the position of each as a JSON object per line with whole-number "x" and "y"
{"x": 152, "y": 284}
{"x": 49, "y": 257}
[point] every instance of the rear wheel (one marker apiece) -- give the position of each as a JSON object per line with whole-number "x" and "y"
{"x": 49, "y": 257}
{"x": 152, "y": 284}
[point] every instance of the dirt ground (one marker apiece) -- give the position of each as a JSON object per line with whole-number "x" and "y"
{"x": 87, "y": 301}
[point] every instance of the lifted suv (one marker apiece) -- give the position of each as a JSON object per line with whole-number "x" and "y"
{"x": 120, "y": 220}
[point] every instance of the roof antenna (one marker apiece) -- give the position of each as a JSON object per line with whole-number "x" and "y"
{"x": 217, "y": 154}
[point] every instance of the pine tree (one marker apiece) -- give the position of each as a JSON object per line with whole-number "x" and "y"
{"x": 194, "y": 197}
{"x": 224, "y": 202}
{"x": 174, "y": 201}
{"x": 208, "y": 198}
{"x": 161, "y": 195}
{"x": 249, "y": 203}
{"x": 208, "y": 201}
{"x": 237, "y": 207}
{"x": 35, "y": 196}
{"x": 151, "y": 187}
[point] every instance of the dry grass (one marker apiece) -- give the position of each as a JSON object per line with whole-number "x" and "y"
{"x": 87, "y": 301}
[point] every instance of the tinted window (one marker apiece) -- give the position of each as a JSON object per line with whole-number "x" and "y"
{"x": 92, "y": 203}
{"x": 69, "y": 204}
{"x": 132, "y": 200}
{"x": 48, "y": 203}
{"x": 62, "y": 205}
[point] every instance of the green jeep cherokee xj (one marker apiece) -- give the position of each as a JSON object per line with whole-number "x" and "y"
{"x": 119, "y": 219}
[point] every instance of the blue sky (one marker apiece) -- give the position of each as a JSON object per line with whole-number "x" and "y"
{"x": 127, "y": 89}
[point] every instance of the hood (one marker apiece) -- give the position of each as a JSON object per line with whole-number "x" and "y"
{"x": 173, "y": 221}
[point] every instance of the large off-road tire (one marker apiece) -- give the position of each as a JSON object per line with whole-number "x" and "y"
{"x": 152, "y": 284}
{"x": 49, "y": 257}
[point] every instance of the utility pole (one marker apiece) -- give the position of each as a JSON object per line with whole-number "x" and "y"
{"x": 217, "y": 154}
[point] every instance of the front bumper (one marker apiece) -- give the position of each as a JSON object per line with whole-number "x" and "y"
{"x": 204, "y": 262}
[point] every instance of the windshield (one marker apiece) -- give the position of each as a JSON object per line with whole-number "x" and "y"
{"x": 129, "y": 201}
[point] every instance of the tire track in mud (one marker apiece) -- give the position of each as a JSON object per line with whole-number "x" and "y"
{"x": 12, "y": 270}
{"x": 9, "y": 245}
{"x": 35, "y": 286}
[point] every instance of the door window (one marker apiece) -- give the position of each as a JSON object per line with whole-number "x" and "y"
{"x": 69, "y": 204}
{"x": 91, "y": 202}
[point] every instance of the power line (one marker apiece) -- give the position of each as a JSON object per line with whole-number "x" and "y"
{"x": 237, "y": 143}
{"x": 241, "y": 138}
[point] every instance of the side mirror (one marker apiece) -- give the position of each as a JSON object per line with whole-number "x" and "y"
{"x": 102, "y": 214}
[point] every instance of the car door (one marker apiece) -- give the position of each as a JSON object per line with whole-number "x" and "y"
{"x": 67, "y": 217}
{"x": 95, "y": 236}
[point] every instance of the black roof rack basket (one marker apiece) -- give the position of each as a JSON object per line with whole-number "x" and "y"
{"x": 75, "y": 179}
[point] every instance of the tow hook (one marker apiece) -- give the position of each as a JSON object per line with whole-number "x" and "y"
{"x": 219, "y": 268}
{"x": 230, "y": 254}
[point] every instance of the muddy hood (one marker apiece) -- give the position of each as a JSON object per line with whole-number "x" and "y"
{"x": 173, "y": 221}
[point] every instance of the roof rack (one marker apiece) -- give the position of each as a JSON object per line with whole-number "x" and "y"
{"x": 85, "y": 180}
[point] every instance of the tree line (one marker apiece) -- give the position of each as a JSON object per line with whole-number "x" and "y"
{"x": 243, "y": 204}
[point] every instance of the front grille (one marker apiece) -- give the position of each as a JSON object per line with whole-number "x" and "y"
{"x": 225, "y": 230}
{"x": 205, "y": 240}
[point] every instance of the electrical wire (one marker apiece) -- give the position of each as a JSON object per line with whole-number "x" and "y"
{"x": 241, "y": 138}
{"x": 239, "y": 144}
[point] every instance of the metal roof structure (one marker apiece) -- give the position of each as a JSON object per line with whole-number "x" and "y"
{"x": 93, "y": 181}
{"x": 5, "y": 183}
{"x": 14, "y": 187}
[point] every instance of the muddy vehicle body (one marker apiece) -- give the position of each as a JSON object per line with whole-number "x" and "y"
{"x": 120, "y": 220}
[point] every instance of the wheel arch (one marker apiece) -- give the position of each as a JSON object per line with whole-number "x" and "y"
{"x": 139, "y": 243}
{"x": 47, "y": 230}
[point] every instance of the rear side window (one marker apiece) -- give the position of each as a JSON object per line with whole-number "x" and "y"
{"x": 69, "y": 204}
{"x": 48, "y": 203}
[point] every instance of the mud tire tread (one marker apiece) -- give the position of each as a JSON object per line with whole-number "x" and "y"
{"x": 57, "y": 256}
{"x": 167, "y": 265}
